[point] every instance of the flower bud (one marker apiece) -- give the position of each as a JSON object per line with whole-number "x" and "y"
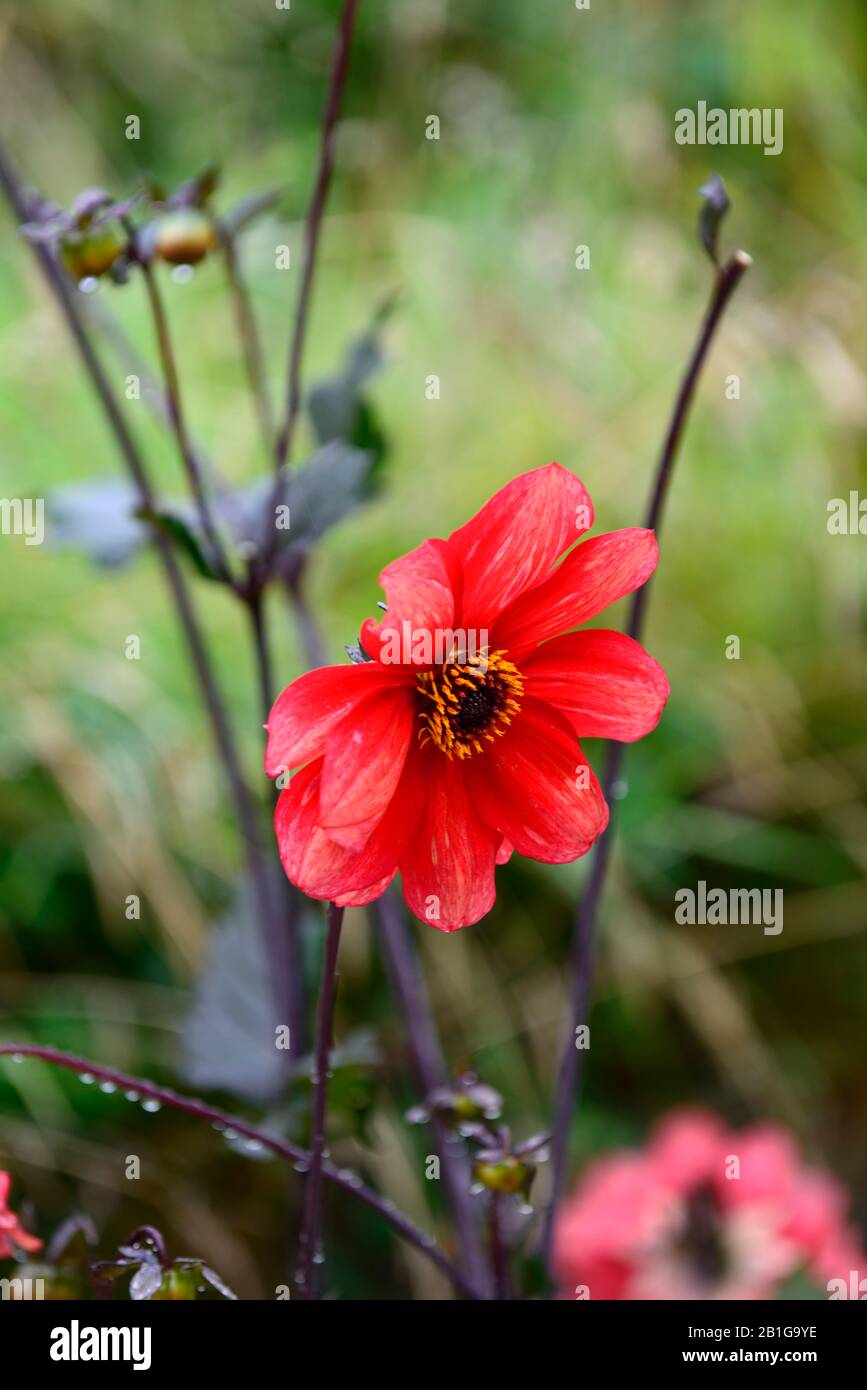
{"x": 507, "y": 1174}
{"x": 185, "y": 236}
{"x": 177, "y": 1285}
{"x": 90, "y": 252}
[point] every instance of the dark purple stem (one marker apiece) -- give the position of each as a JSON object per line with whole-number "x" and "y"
{"x": 313, "y": 226}
{"x": 499, "y": 1249}
{"x": 251, "y": 345}
{"x": 408, "y": 986}
{"x": 308, "y": 630}
{"x": 177, "y": 420}
{"x": 312, "y": 229}
{"x": 243, "y": 803}
{"x": 570, "y": 1073}
{"x": 295, "y": 1001}
{"x": 309, "y": 1255}
{"x": 198, "y": 1109}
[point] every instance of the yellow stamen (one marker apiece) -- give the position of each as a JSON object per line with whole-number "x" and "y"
{"x": 469, "y": 702}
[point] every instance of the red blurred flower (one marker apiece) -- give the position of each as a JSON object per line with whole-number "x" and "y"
{"x": 440, "y": 767}
{"x": 703, "y": 1213}
{"x": 12, "y": 1236}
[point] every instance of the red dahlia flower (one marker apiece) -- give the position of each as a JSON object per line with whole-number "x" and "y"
{"x": 704, "y": 1213}
{"x": 457, "y": 741}
{"x": 12, "y": 1236}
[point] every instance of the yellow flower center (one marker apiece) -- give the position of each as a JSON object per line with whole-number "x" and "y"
{"x": 468, "y": 704}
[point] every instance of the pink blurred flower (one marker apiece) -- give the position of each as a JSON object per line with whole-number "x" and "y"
{"x": 12, "y": 1236}
{"x": 703, "y": 1213}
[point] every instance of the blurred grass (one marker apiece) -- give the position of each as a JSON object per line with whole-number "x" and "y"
{"x": 557, "y": 129}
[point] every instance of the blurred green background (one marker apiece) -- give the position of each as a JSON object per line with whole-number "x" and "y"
{"x": 557, "y": 128}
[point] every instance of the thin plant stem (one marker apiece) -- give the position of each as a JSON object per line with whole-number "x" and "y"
{"x": 570, "y": 1072}
{"x": 308, "y": 629}
{"x": 242, "y": 801}
{"x": 293, "y": 1006}
{"x": 408, "y": 986}
{"x": 312, "y": 230}
{"x": 499, "y": 1249}
{"x": 97, "y": 316}
{"x": 251, "y": 345}
{"x": 295, "y": 1001}
{"x": 261, "y": 651}
{"x": 177, "y": 418}
{"x": 313, "y": 226}
{"x": 343, "y": 1178}
{"x": 309, "y": 1251}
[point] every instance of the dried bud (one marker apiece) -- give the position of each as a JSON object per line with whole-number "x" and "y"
{"x": 184, "y": 237}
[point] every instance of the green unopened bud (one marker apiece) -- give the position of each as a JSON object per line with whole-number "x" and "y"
{"x": 90, "y": 253}
{"x": 184, "y": 237}
{"x": 465, "y": 1108}
{"x": 177, "y": 1285}
{"x": 507, "y": 1174}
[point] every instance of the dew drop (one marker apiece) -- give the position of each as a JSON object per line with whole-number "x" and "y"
{"x": 107, "y": 1087}
{"x": 16, "y": 1057}
{"x": 89, "y": 285}
{"x": 86, "y": 1079}
{"x": 301, "y": 1166}
{"x": 151, "y": 1106}
{"x": 132, "y": 1095}
{"x": 183, "y": 274}
{"x": 619, "y": 789}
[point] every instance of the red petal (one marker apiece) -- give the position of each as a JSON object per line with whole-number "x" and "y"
{"x": 594, "y": 574}
{"x": 448, "y": 864}
{"x": 27, "y": 1242}
{"x": 530, "y": 785}
{"x": 364, "y": 758}
{"x": 604, "y": 682}
{"x": 311, "y": 707}
{"x": 516, "y": 538}
{"x": 363, "y": 896}
{"x": 318, "y": 866}
{"x": 423, "y": 591}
